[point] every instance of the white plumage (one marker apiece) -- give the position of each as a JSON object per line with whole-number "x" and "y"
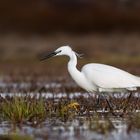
{"x": 109, "y": 78}
{"x": 97, "y": 77}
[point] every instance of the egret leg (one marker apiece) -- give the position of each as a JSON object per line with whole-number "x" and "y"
{"x": 108, "y": 102}
{"x": 98, "y": 100}
{"x": 127, "y": 102}
{"x": 109, "y": 105}
{"x": 111, "y": 108}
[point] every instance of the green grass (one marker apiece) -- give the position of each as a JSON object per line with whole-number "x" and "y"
{"x": 21, "y": 110}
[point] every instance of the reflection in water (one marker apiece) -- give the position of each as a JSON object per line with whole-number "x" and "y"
{"x": 79, "y": 128}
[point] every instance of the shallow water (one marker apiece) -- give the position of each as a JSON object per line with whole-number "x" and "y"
{"x": 72, "y": 130}
{"x": 77, "y": 128}
{"x": 19, "y": 89}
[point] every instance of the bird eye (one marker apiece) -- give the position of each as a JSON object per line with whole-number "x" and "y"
{"x": 59, "y": 51}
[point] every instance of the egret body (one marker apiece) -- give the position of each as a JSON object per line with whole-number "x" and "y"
{"x": 97, "y": 77}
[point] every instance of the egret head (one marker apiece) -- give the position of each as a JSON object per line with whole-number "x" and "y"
{"x": 64, "y": 50}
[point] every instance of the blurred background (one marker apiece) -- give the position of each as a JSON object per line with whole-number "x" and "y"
{"x": 105, "y": 31}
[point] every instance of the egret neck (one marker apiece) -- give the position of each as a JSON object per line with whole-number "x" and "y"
{"x": 78, "y": 77}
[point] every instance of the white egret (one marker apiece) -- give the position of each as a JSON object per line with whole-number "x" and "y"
{"x": 99, "y": 78}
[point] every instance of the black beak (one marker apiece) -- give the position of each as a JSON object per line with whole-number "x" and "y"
{"x": 44, "y": 56}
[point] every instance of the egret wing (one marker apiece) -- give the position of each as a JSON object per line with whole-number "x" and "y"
{"x": 106, "y": 76}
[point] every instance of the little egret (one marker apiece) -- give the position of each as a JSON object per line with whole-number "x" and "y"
{"x": 99, "y": 78}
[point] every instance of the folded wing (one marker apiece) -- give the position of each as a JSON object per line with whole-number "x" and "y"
{"x": 106, "y": 76}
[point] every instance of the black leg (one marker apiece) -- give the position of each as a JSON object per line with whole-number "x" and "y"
{"x": 109, "y": 105}
{"x": 127, "y": 102}
{"x": 111, "y": 108}
{"x": 98, "y": 100}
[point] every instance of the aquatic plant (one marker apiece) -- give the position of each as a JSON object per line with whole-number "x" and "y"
{"x": 67, "y": 110}
{"x": 21, "y": 110}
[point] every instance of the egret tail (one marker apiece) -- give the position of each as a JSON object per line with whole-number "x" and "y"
{"x": 138, "y": 78}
